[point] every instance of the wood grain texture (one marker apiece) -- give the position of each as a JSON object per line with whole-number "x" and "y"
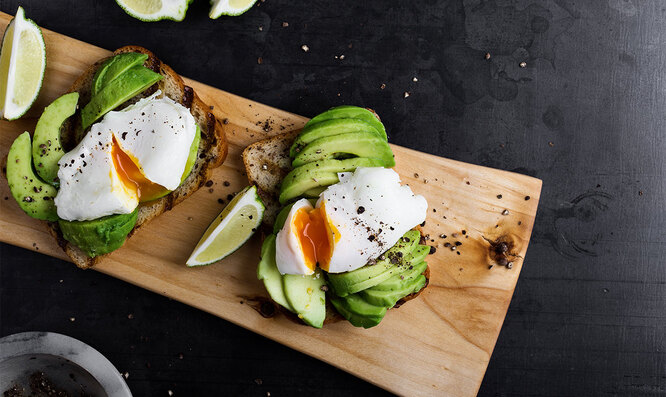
{"x": 438, "y": 344}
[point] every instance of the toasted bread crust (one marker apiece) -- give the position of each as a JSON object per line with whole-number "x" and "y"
{"x": 212, "y": 148}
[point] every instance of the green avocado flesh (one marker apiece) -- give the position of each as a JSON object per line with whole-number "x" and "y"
{"x": 132, "y": 82}
{"x": 306, "y": 297}
{"x": 115, "y": 67}
{"x": 46, "y": 147}
{"x": 33, "y": 195}
{"x": 350, "y": 112}
{"x": 400, "y": 280}
{"x": 331, "y": 127}
{"x": 267, "y": 271}
{"x": 360, "y": 144}
{"x": 99, "y": 236}
{"x": 319, "y": 174}
{"x": 359, "y": 312}
{"x": 390, "y": 297}
{"x": 347, "y": 283}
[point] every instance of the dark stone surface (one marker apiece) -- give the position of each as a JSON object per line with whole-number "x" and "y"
{"x": 585, "y": 115}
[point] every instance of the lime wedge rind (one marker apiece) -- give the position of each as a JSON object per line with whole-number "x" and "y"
{"x": 207, "y": 250}
{"x": 21, "y": 25}
{"x": 173, "y": 10}
{"x": 229, "y": 7}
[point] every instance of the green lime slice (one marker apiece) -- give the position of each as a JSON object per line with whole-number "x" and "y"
{"x": 155, "y": 10}
{"x": 22, "y": 66}
{"x": 229, "y": 7}
{"x": 230, "y": 230}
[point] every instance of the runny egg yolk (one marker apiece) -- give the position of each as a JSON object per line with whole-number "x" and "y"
{"x": 316, "y": 236}
{"x": 131, "y": 176}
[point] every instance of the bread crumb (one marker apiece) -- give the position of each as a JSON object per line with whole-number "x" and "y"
{"x": 305, "y": 48}
{"x": 285, "y": 24}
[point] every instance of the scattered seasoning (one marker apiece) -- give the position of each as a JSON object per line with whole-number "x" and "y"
{"x": 126, "y": 374}
{"x": 502, "y": 261}
{"x": 221, "y": 201}
{"x": 225, "y": 121}
{"x": 458, "y": 243}
{"x": 261, "y": 28}
{"x": 502, "y": 247}
{"x": 381, "y": 87}
{"x": 551, "y": 144}
{"x": 406, "y": 94}
{"x": 453, "y": 248}
{"x": 130, "y": 316}
{"x": 72, "y": 319}
{"x": 442, "y": 236}
{"x": 523, "y": 64}
{"x": 509, "y": 265}
{"x": 527, "y": 198}
{"x": 211, "y": 190}
{"x": 189, "y": 218}
{"x": 414, "y": 79}
{"x": 432, "y": 250}
{"x": 324, "y": 288}
{"x": 285, "y": 24}
{"x": 305, "y": 48}
{"x": 230, "y": 197}
{"x": 371, "y": 238}
{"x": 499, "y": 196}
{"x": 258, "y": 381}
{"x": 454, "y": 235}
{"x": 260, "y": 60}
{"x": 226, "y": 183}
{"x": 209, "y": 183}
{"x": 264, "y": 167}
{"x": 640, "y": 192}
{"x": 505, "y": 212}
{"x": 520, "y": 223}
{"x": 458, "y": 252}
{"x": 360, "y": 209}
{"x": 490, "y": 266}
{"x": 487, "y": 56}
{"x": 447, "y": 244}
{"x": 169, "y": 392}
{"x": 467, "y": 182}
{"x": 423, "y": 224}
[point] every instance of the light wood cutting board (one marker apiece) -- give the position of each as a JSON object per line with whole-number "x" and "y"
{"x": 437, "y": 344}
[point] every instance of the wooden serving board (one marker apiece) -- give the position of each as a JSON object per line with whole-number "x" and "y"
{"x": 438, "y": 344}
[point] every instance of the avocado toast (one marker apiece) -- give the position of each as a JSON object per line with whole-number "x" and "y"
{"x": 343, "y": 141}
{"x": 131, "y": 77}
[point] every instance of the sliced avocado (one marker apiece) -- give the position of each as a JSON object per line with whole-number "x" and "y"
{"x": 269, "y": 273}
{"x": 350, "y": 112}
{"x": 389, "y": 298}
{"x": 281, "y": 218}
{"x": 400, "y": 280}
{"x": 328, "y": 128}
{"x": 306, "y": 297}
{"x": 134, "y": 81}
{"x": 114, "y": 67}
{"x": 99, "y": 236}
{"x": 46, "y": 147}
{"x": 368, "y": 276}
{"x": 33, "y": 195}
{"x": 319, "y": 174}
{"x": 360, "y": 144}
{"x": 314, "y": 192}
{"x": 189, "y": 164}
{"x": 359, "y": 312}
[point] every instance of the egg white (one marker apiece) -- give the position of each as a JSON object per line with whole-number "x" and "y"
{"x": 155, "y": 132}
{"x": 369, "y": 211}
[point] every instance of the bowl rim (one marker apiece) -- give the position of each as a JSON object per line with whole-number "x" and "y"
{"x": 59, "y": 345}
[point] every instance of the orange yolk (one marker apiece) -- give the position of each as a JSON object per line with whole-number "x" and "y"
{"x": 131, "y": 176}
{"x": 316, "y": 236}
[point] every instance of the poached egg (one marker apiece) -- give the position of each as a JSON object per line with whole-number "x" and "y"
{"x": 354, "y": 221}
{"x": 138, "y": 152}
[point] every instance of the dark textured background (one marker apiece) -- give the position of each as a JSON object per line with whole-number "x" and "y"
{"x": 586, "y": 115}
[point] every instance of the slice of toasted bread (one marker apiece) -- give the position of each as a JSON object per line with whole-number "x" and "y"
{"x": 266, "y": 163}
{"x": 212, "y": 148}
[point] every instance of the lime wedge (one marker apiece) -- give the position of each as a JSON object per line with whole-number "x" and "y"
{"x": 22, "y": 65}
{"x": 231, "y": 229}
{"x": 229, "y": 7}
{"x": 155, "y": 10}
